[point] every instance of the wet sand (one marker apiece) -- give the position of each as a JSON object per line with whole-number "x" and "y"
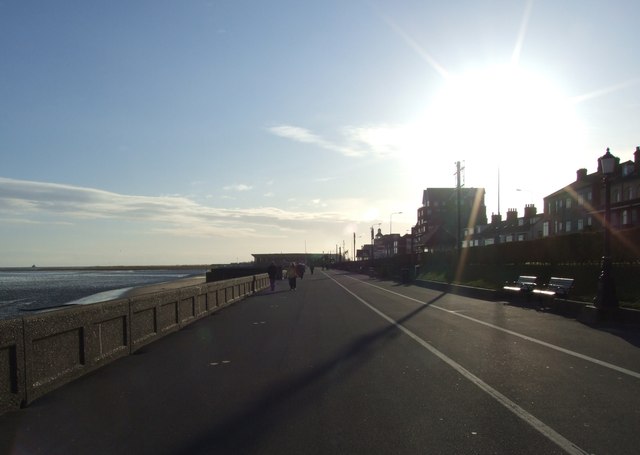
{"x": 168, "y": 286}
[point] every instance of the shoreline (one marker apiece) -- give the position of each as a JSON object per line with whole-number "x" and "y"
{"x": 105, "y": 267}
{"x": 23, "y": 300}
{"x": 123, "y": 293}
{"x": 164, "y": 286}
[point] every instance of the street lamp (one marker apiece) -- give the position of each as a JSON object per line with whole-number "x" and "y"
{"x": 391, "y": 216}
{"x": 606, "y": 297}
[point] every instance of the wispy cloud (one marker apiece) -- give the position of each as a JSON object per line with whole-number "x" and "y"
{"x": 238, "y": 187}
{"x": 380, "y": 140}
{"x": 324, "y": 179}
{"x": 303, "y": 135}
{"x": 355, "y": 141}
{"x": 41, "y": 202}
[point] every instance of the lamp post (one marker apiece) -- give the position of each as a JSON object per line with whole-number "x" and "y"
{"x": 606, "y": 298}
{"x": 390, "y": 217}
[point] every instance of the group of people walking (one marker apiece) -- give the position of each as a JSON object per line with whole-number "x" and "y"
{"x": 293, "y": 272}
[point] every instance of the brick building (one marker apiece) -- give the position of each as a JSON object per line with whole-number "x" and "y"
{"x": 579, "y": 206}
{"x": 437, "y": 225}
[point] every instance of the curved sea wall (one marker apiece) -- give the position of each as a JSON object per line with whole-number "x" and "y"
{"x": 41, "y": 352}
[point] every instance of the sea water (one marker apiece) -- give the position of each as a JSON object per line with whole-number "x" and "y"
{"x": 30, "y": 289}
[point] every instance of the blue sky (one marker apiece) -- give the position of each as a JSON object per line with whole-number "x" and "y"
{"x": 197, "y": 132}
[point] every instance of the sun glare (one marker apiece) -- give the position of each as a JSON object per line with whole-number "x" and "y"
{"x": 496, "y": 117}
{"x": 500, "y": 111}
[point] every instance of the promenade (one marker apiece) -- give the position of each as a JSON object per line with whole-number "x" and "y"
{"x": 349, "y": 364}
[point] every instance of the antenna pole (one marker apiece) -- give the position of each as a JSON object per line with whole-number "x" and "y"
{"x": 458, "y": 202}
{"x": 498, "y": 191}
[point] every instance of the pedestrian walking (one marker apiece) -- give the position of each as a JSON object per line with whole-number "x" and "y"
{"x": 272, "y": 270}
{"x": 292, "y": 274}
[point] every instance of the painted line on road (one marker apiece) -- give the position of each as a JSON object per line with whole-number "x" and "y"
{"x": 602, "y": 363}
{"x": 534, "y": 422}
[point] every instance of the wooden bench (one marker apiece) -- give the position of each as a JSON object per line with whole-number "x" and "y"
{"x": 524, "y": 284}
{"x": 557, "y": 287}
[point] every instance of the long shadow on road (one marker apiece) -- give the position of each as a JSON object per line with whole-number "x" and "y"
{"x": 240, "y": 432}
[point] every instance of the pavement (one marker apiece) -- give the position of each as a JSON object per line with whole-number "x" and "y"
{"x": 349, "y": 364}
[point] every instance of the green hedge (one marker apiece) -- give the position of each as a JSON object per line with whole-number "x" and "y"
{"x": 575, "y": 256}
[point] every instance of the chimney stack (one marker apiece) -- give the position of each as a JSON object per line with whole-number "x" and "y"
{"x": 530, "y": 210}
{"x": 581, "y": 175}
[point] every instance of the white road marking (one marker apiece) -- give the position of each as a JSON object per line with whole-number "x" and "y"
{"x": 516, "y": 334}
{"x": 537, "y": 424}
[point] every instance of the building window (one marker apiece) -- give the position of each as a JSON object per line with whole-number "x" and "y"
{"x": 625, "y": 217}
{"x": 589, "y": 196}
{"x": 580, "y": 224}
{"x": 580, "y": 200}
{"x": 545, "y": 229}
{"x": 616, "y": 195}
{"x": 568, "y": 202}
{"x": 521, "y": 237}
{"x": 568, "y": 226}
{"x": 589, "y": 221}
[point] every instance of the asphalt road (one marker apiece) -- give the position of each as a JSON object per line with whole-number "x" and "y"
{"x": 351, "y": 365}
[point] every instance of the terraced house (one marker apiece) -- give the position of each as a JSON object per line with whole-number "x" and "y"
{"x": 579, "y": 206}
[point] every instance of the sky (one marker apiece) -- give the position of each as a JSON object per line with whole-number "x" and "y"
{"x": 199, "y": 132}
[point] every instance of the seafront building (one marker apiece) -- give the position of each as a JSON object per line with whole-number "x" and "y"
{"x": 456, "y": 217}
{"x": 444, "y": 213}
{"x": 579, "y": 206}
{"x": 512, "y": 229}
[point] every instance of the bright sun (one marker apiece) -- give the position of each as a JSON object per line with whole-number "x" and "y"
{"x": 502, "y": 109}
{"x": 498, "y": 116}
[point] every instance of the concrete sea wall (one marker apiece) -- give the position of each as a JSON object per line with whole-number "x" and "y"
{"x": 41, "y": 352}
